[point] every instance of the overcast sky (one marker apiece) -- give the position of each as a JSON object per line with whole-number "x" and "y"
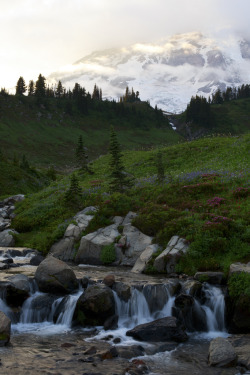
{"x": 39, "y": 36}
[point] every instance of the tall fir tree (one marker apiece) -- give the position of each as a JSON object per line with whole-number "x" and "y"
{"x": 73, "y": 194}
{"x": 119, "y": 181}
{"x": 40, "y": 88}
{"x": 31, "y": 88}
{"x": 21, "y": 87}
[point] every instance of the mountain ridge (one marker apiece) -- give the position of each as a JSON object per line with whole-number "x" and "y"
{"x": 168, "y": 73}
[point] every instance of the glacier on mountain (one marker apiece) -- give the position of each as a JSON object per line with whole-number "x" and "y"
{"x": 166, "y": 74}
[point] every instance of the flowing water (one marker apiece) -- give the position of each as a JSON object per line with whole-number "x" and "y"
{"x": 46, "y": 320}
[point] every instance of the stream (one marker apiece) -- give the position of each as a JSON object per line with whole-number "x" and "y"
{"x": 43, "y": 340}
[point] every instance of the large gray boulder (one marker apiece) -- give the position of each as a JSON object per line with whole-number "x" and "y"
{"x": 134, "y": 243}
{"x": 5, "y": 325}
{"x": 167, "y": 260}
{"x": 95, "y": 306}
{"x": 17, "y": 290}
{"x": 144, "y": 258}
{"x": 6, "y": 238}
{"x": 64, "y": 249}
{"x": 55, "y": 276}
{"x": 164, "y": 329}
{"x": 91, "y": 245}
{"x": 221, "y": 353}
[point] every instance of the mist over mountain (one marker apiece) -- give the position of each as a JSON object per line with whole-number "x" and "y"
{"x": 167, "y": 73}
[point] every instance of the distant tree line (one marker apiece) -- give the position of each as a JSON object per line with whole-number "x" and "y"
{"x": 78, "y": 100}
{"x": 199, "y": 108}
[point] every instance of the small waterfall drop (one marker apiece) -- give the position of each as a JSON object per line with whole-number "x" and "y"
{"x": 214, "y": 308}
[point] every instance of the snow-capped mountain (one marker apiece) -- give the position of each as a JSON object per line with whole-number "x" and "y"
{"x": 167, "y": 73}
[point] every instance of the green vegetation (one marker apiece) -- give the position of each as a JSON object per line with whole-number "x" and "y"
{"x": 239, "y": 284}
{"x": 47, "y": 128}
{"x": 108, "y": 254}
{"x": 203, "y": 198}
{"x": 226, "y": 112}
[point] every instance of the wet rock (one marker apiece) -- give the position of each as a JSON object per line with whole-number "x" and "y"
{"x": 55, "y": 276}
{"x": 167, "y": 260}
{"x": 156, "y": 295}
{"x": 109, "y": 354}
{"x": 109, "y": 280}
{"x": 94, "y": 306}
{"x": 164, "y": 329}
{"x": 129, "y": 352}
{"x": 36, "y": 260}
{"x": 216, "y": 278}
{"x": 221, "y": 353}
{"x": 84, "y": 282}
{"x": 4, "y": 266}
{"x": 111, "y": 323}
{"x": 41, "y": 307}
{"x": 192, "y": 316}
{"x": 6, "y": 238}
{"x": 144, "y": 259}
{"x": 7, "y": 261}
{"x": 17, "y": 291}
{"x": 5, "y": 327}
{"x": 123, "y": 290}
{"x": 192, "y": 287}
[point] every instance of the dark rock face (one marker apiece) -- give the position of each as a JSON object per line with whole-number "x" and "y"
{"x": 240, "y": 321}
{"x": 216, "y": 278}
{"x": 55, "y": 276}
{"x": 95, "y": 306}
{"x": 36, "y": 260}
{"x": 123, "y": 291}
{"x": 164, "y": 329}
{"x": 17, "y": 291}
{"x": 5, "y": 325}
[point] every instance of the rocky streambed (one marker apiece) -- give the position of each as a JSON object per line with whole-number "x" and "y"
{"x": 48, "y": 338}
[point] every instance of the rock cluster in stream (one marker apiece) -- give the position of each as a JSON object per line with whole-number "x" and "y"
{"x": 7, "y": 208}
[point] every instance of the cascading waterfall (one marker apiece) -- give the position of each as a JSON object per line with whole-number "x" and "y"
{"x": 214, "y": 308}
{"x": 146, "y": 304}
{"x": 41, "y": 310}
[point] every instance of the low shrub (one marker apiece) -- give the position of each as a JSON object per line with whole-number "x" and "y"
{"x": 108, "y": 254}
{"x": 239, "y": 284}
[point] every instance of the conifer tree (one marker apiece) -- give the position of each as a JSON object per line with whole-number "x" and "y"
{"x": 20, "y": 86}
{"x": 40, "y": 89}
{"x": 59, "y": 90}
{"x": 73, "y": 194}
{"x": 81, "y": 156}
{"x": 118, "y": 178}
{"x": 31, "y": 89}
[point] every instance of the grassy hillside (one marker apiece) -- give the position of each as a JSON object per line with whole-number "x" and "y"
{"x": 204, "y": 198}
{"x": 47, "y": 131}
{"x": 231, "y": 117}
{"x": 17, "y": 180}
